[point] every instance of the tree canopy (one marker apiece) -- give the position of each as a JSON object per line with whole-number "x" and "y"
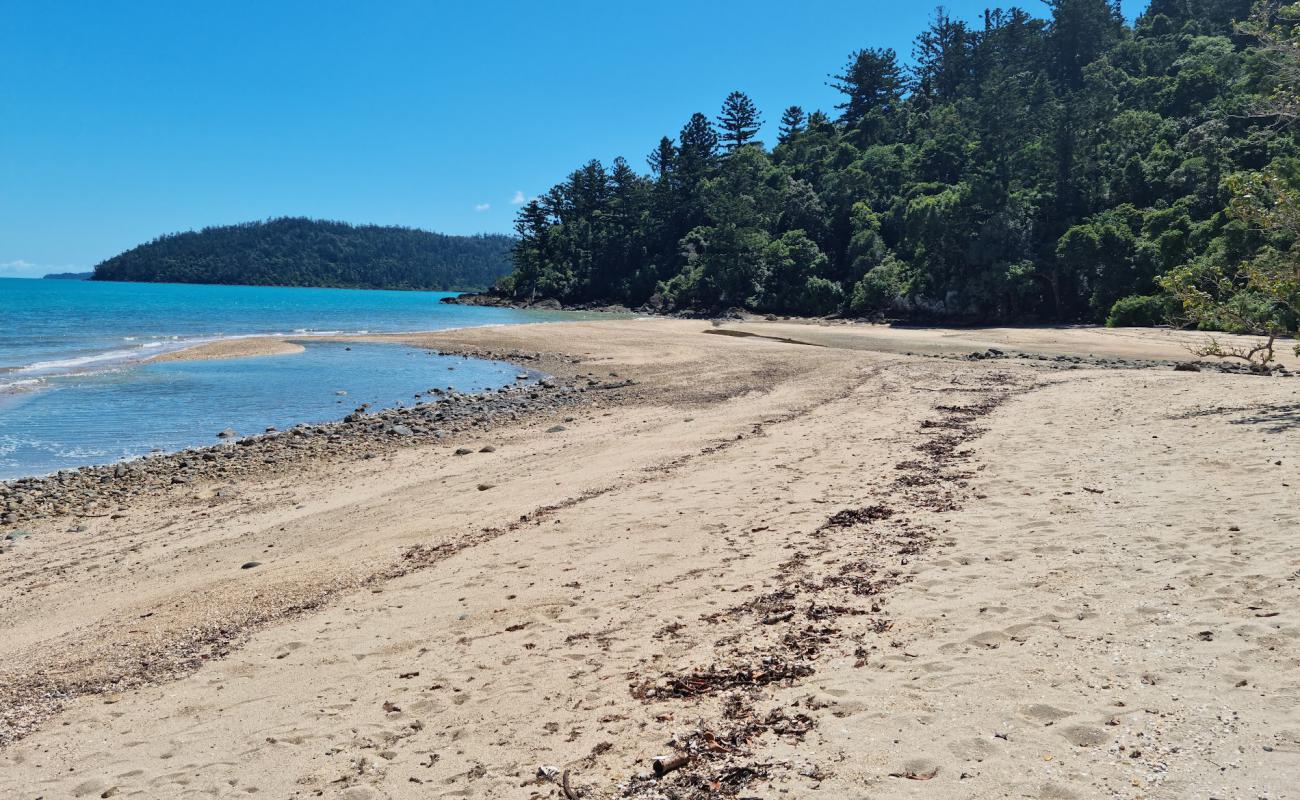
{"x": 293, "y": 251}
{"x": 1019, "y": 168}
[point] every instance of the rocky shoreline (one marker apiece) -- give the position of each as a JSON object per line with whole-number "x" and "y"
{"x": 1079, "y": 362}
{"x": 490, "y": 300}
{"x": 653, "y": 308}
{"x": 100, "y": 490}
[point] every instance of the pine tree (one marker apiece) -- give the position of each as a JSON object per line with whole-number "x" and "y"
{"x": 697, "y": 161}
{"x": 697, "y": 150}
{"x": 739, "y": 120}
{"x": 942, "y": 54}
{"x": 872, "y": 81}
{"x": 663, "y": 159}
{"x": 1081, "y": 31}
{"x": 792, "y": 120}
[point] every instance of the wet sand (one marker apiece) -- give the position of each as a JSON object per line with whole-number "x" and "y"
{"x": 245, "y": 347}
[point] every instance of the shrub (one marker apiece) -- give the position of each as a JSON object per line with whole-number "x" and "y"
{"x": 1142, "y": 311}
{"x": 821, "y": 296}
{"x": 879, "y": 289}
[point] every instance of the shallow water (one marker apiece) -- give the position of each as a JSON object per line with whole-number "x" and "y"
{"x": 53, "y": 327}
{"x": 75, "y": 389}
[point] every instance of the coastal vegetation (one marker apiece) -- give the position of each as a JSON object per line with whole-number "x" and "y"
{"x": 1262, "y": 295}
{"x": 68, "y": 276}
{"x": 294, "y": 251}
{"x": 1068, "y": 168}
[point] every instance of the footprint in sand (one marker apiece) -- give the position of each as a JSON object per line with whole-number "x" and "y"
{"x": 989, "y": 639}
{"x": 1043, "y": 714}
{"x": 1085, "y": 736}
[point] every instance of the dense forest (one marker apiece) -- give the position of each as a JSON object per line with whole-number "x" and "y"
{"x": 294, "y": 251}
{"x": 1015, "y": 168}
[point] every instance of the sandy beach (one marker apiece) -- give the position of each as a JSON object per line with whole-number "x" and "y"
{"x": 834, "y": 561}
{"x": 242, "y": 347}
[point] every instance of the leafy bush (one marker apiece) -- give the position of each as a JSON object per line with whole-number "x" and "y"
{"x": 821, "y": 296}
{"x": 879, "y": 289}
{"x": 1142, "y": 311}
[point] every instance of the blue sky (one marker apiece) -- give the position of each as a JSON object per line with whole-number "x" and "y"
{"x": 125, "y": 120}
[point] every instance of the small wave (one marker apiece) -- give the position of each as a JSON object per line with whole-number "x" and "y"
{"x": 70, "y": 364}
{"x": 103, "y": 361}
{"x": 25, "y": 384}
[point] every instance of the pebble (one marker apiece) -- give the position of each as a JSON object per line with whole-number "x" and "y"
{"x": 1076, "y": 362}
{"x": 96, "y": 489}
{"x": 250, "y": 564}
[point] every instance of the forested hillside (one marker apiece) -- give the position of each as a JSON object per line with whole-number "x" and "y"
{"x": 1016, "y": 168}
{"x": 304, "y": 252}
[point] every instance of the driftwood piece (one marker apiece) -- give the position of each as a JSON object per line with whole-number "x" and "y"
{"x": 666, "y": 764}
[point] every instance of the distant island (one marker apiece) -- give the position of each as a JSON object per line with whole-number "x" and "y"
{"x": 68, "y": 276}
{"x": 295, "y": 251}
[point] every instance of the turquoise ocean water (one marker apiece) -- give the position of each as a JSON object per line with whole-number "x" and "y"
{"x": 75, "y": 387}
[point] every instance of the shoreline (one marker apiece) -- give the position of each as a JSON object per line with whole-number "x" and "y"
{"x": 233, "y": 347}
{"x": 87, "y": 491}
{"x": 736, "y": 550}
{"x": 1057, "y": 347}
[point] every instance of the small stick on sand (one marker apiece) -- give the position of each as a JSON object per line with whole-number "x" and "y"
{"x": 666, "y": 764}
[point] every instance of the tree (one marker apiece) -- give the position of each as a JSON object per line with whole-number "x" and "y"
{"x": 697, "y": 148}
{"x": 664, "y": 159}
{"x": 1040, "y": 169}
{"x": 942, "y": 56}
{"x": 1262, "y": 297}
{"x": 1081, "y": 32}
{"x": 295, "y": 251}
{"x": 792, "y": 120}
{"x": 1274, "y": 27}
{"x": 878, "y": 290}
{"x": 739, "y": 120}
{"x": 792, "y": 277}
{"x": 871, "y": 81}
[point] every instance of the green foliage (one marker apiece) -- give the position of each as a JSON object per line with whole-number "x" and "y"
{"x": 1258, "y": 291}
{"x": 790, "y": 278}
{"x": 739, "y": 121}
{"x": 1142, "y": 311}
{"x": 872, "y": 82}
{"x": 879, "y": 290}
{"x": 792, "y": 122}
{"x": 821, "y": 297}
{"x": 302, "y": 252}
{"x": 1022, "y": 169}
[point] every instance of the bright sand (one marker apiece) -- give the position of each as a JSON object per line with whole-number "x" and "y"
{"x": 1088, "y": 590}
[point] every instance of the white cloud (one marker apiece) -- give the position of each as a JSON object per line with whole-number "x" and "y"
{"x": 482, "y": 206}
{"x": 21, "y": 268}
{"x": 518, "y": 198}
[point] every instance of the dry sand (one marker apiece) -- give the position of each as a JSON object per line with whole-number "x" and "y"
{"x": 833, "y": 567}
